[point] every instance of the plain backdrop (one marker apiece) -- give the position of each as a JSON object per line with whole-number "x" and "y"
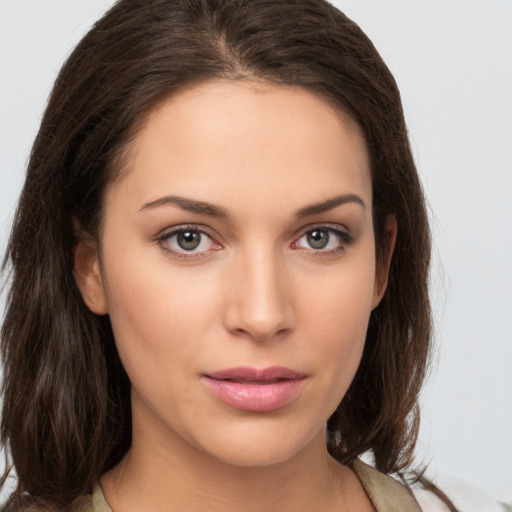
{"x": 452, "y": 60}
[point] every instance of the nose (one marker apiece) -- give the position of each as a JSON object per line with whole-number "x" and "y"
{"x": 260, "y": 297}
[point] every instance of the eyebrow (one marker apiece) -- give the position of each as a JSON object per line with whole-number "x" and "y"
{"x": 329, "y": 204}
{"x": 212, "y": 210}
{"x": 189, "y": 205}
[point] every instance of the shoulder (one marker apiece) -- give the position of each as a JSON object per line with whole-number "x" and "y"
{"x": 93, "y": 503}
{"x": 428, "y": 501}
{"x": 82, "y": 504}
{"x": 390, "y": 495}
{"x": 386, "y": 493}
{"x": 465, "y": 495}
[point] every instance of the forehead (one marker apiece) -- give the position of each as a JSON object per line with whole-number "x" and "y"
{"x": 240, "y": 140}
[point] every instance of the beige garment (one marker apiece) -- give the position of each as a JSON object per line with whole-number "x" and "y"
{"x": 386, "y": 493}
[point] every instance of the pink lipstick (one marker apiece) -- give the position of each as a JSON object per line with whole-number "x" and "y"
{"x": 255, "y": 390}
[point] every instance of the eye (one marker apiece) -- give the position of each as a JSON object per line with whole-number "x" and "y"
{"x": 324, "y": 239}
{"x": 187, "y": 241}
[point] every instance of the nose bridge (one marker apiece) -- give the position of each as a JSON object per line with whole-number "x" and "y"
{"x": 260, "y": 303}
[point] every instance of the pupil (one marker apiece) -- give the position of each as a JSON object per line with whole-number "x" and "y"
{"x": 318, "y": 239}
{"x": 189, "y": 240}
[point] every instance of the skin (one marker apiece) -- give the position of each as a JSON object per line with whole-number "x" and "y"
{"x": 254, "y": 293}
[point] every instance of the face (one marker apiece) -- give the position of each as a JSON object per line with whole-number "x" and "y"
{"x": 237, "y": 266}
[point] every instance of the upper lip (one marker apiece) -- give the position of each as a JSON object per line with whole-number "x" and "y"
{"x": 246, "y": 373}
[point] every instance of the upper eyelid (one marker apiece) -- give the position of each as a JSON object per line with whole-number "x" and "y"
{"x": 346, "y": 237}
{"x": 169, "y": 231}
{"x": 332, "y": 226}
{"x": 165, "y": 235}
{"x": 163, "y": 239}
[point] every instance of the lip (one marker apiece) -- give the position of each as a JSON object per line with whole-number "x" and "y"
{"x": 256, "y": 390}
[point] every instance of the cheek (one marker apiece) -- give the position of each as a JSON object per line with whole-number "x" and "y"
{"x": 339, "y": 301}
{"x": 335, "y": 316}
{"x": 160, "y": 317}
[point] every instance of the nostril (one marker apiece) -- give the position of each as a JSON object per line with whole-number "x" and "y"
{"x": 262, "y": 334}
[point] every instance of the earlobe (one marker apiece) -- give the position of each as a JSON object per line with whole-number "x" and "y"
{"x": 382, "y": 271}
{"x": 88, "y": 276}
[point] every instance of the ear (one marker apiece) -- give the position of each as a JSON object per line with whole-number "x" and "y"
{"x": 88, "y": 276}
{"x": 382, "y": 270}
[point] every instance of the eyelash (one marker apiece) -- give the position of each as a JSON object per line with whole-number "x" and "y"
{"x": 345, "y": 239}
{"x": 163, "y": 242}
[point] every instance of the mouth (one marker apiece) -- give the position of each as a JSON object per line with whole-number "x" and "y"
{"x": 255, "y": 390}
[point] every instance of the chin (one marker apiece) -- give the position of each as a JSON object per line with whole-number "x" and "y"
{"x": 260, "y": 445}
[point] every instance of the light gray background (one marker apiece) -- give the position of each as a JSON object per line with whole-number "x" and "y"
{"x": 452, "y": 60}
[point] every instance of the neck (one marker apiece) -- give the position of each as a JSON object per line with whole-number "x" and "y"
{"x": 177, "y": 476}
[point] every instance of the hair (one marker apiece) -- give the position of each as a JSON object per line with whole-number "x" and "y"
{"x": 66, "y": 398}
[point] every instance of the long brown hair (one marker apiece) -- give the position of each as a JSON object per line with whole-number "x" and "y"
{"x": 66, "y": 398}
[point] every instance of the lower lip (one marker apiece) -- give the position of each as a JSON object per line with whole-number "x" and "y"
{"x": 255, "y": 397}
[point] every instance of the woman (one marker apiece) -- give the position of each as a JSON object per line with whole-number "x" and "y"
{"x": 219, "y": 269}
